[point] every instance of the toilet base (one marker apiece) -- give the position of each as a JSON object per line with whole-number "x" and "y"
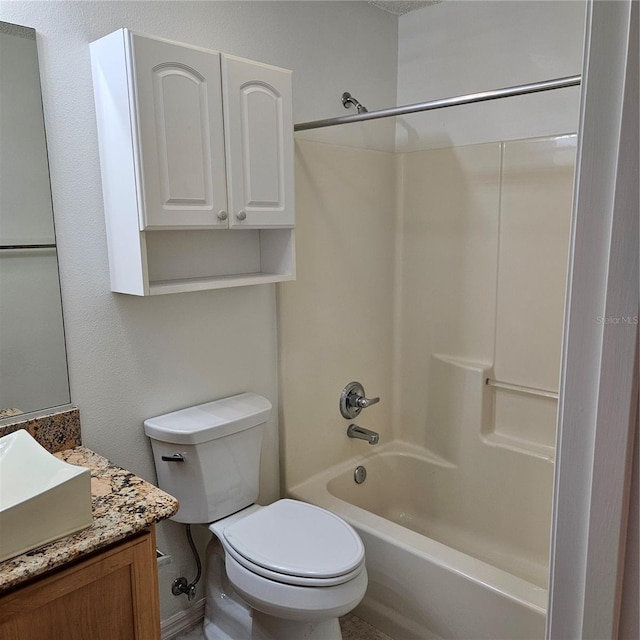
{"x": 267, "y": 627}
{"x": 228, "y": 617}
{"x": 260, "y": 626}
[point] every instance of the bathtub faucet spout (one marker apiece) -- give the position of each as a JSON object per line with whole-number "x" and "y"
{"x": 354, "y": 431}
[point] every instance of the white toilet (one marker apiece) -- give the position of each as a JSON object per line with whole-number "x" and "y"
{"x": 286, "y": 571}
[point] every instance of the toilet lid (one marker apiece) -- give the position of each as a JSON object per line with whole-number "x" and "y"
{"x": 297, "y": 539}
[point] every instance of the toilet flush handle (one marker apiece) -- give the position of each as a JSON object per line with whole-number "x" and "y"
{"x": 176, "y": 457}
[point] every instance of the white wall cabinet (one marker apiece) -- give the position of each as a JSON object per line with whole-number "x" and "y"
{"x": 196, "y": 153}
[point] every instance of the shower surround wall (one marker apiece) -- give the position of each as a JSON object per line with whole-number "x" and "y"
{"x": 482, "y": 265}
{"x": 417, "y": 266}
{"x": 336, "y": 324}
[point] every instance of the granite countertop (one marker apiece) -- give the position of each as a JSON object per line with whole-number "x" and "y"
{"x": 122, "y": 504}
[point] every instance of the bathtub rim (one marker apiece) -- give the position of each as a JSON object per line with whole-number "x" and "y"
{"x": 315, "y": 491}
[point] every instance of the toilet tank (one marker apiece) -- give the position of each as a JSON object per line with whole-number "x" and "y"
{"x": 208, "y": 456}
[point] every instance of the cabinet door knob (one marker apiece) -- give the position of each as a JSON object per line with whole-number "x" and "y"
{"x": 222, "y": 215}
{"x": 241, "y": 215}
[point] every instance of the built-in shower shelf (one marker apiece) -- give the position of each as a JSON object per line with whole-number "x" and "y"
{"x": 523, "y": 418}
{"x": 528, "y": 447}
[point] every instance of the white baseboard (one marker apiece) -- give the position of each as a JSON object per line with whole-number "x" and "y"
{"x": 182, "y": 621}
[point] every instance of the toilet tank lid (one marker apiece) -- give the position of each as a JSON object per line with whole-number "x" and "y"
{"x": 210, "y": 420}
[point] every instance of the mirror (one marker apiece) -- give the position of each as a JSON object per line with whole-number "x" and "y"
{"x": 33, "y": 360}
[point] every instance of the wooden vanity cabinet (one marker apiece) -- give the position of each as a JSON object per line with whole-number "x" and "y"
{"x": 112, "y": 595}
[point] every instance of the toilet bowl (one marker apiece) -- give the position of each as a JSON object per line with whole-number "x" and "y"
{"x": 299, "y": 566}
{"x": 284, "y": 571}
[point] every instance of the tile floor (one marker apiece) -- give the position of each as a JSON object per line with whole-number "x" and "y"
{"x": 353, "y": 628}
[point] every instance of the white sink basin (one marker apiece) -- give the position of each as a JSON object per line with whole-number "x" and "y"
{"x": 41, "y": 498}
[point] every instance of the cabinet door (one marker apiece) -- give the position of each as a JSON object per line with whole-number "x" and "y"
{"x": 259, "y": 137}
{"x": 181, "y": 138}
{"x": 111, "y": 596}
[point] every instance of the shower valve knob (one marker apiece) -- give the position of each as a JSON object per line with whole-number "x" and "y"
{"x": 353, "y": 400}
{"x": 363, "y": 403}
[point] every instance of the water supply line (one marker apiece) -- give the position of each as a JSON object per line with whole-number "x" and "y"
{"x": 181, "y": 585}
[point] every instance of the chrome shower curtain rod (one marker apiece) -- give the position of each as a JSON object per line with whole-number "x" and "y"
{"x": 508, "y": 92}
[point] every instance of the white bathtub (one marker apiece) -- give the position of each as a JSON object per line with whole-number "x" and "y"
{"x": 442, "y": 562}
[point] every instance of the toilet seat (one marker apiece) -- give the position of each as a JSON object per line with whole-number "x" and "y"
{"x": 289, "y": 579}
{"x": 296, "y": 543}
